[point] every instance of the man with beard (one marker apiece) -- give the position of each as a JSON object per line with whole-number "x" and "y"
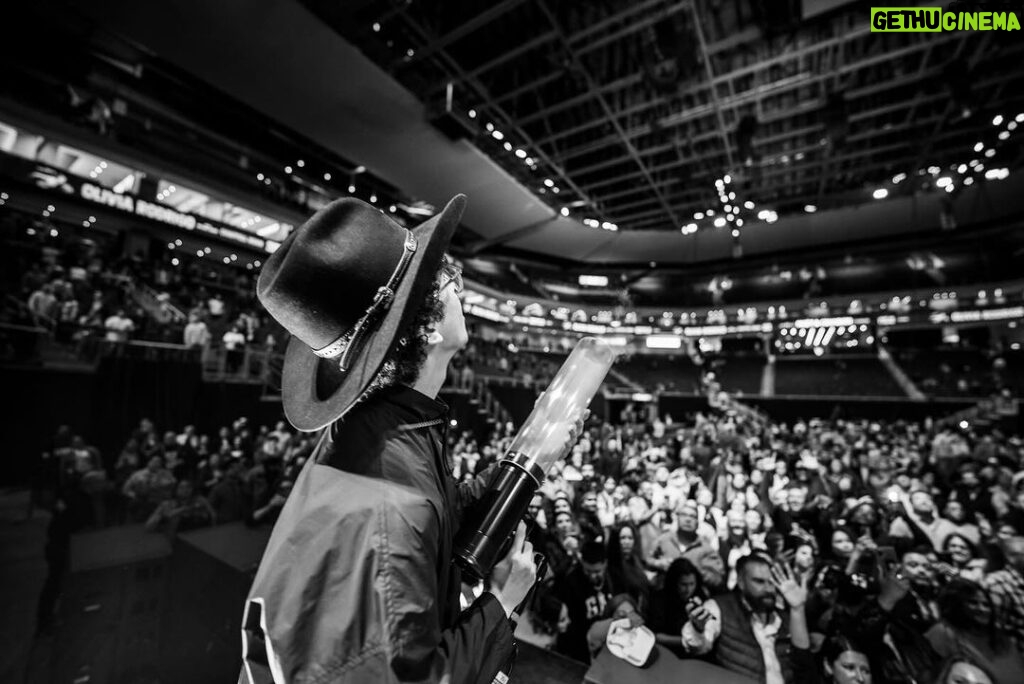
{"x": 742, "y": 629}
{"x": 586, "y": 591}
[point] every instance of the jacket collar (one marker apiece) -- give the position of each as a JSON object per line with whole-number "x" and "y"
{"x": 414, "y": 406}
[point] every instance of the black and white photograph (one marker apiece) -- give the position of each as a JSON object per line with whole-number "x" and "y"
{"x": 512, "y": 342}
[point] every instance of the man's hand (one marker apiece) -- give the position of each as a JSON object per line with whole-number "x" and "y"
{"x": 794, "y": 592}
{"x": 515, "y": 574}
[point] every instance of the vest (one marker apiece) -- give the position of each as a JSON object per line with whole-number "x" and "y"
{"x": 736, "y": 648}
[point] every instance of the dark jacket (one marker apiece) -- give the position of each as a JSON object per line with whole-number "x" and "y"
{"x": 737, "y": 649}
{"x": 586, "y": 605}
{"x": 357, "y": 584}
{"x": 897, "y": 648}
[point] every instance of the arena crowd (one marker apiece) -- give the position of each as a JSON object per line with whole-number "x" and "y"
{"x": 827, "y": 550}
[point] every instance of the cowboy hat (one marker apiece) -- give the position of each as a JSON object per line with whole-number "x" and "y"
{"x": 346, "y": 284}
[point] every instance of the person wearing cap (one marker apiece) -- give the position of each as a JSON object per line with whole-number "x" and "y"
{"x": 357, "y": 582}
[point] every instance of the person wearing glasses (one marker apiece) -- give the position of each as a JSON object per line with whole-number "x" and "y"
{"x": 357, "y": 582}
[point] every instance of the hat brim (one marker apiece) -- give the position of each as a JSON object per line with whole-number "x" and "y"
{"x": 307, "y": 405}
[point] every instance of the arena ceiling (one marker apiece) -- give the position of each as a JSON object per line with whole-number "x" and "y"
{"x": 633, "y": 111}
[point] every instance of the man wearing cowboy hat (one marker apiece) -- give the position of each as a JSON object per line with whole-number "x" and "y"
{"x": 356, "y": 583}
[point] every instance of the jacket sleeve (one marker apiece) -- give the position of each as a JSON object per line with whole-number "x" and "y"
{"x": 471, "y": 650}
{"x": 467, "y": 493}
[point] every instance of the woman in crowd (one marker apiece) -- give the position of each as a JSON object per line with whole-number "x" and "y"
{"x": 840, "y": 661}
{"x": 545, "y": 618}
{"x": 967, "y": 626}
{"x": 625, "y": 567}
{"x": 958, "y": 551}
{"x": 683, "y": 591}
{"x": 965, "y": 670}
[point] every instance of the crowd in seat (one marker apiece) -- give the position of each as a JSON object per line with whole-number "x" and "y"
{"x": 786, "y": 552}
{"x": 170, "y": 481}
{"x": 846, "y": 376}
{"x": 503, "y": 359}
{"x": 781, "y": 551}
{"x": 79, "y": 291}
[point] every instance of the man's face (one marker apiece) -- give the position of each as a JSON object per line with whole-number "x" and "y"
{"x": 756, "y": 584}
{"x": 452, "y": 326}
{"x": 589, "y": 502}
{"x": 737, "y": 524}
{"x": 916, "y": 568}
{"x": 796, "y": 498}
{"x": 594, "y": 572}
{"x": 154, "y": 464}
{"x": 955, "y": 511}
{"x": 562, "y": 506}
{"x": 922, "y": 503}
{"x": 686, "y": 518}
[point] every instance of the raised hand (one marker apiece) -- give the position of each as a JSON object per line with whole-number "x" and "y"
{"x": 894, "y": 586}
{"x": 792, "y": 590}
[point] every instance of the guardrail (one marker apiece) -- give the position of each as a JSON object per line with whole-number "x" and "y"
{"x": 83, "y": 348}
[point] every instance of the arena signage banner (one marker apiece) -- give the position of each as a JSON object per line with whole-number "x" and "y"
{"x": 958, "y": 16}
{"x": 55, "y": 180}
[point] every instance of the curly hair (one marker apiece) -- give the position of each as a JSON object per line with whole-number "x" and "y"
{"x": 405, "y": 359}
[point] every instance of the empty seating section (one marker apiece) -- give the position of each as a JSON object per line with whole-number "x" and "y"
{"x": 950, "y": 372}
{"x": 861, "y": 376}
{"x": 668, "y": 373}
{"x": 739, "y": 374}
